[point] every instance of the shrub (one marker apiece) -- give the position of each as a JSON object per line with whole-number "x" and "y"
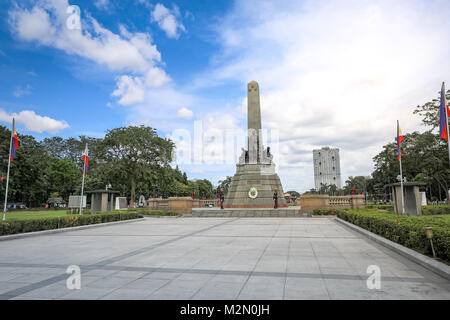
{"x": 76, "y": 211}
{"x": 321, "y": 212}
{"x": 435, "y": 209}
{"x": 21, "y": 226}
{"x": 408, "y": 231}
{"x": 147, "y": 211}
{"x": 387, "y": 207}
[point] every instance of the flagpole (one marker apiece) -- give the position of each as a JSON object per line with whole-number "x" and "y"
{"x": 401, "y": 187}
{"x": 446, "y": 123}
{"x": 7, "y": 175}
{"x": 82, "y": 183}
{"x": 401, "y": 173}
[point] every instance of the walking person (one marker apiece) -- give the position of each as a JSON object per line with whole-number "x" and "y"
{"x": 275, "y": 199}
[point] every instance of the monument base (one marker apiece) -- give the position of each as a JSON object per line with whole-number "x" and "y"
{"x": 261, "y": 177}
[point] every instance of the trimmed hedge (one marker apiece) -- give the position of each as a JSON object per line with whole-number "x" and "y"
{"x": 22, "y": 226}
{"x": 324, "y": 212}
{"x": 405, "y": 230}
{"x": 435, "y": 209}
{"x": 147, "y": 211}
{"x": 85, "y": 211}
{"x": 387, "y": 207}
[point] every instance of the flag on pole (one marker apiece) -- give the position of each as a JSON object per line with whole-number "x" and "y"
{"x": 86, "y": 159}
{"x": 399, "y": 140}
{"x": 14, "y": 145}
{"x": 443, "y": 113}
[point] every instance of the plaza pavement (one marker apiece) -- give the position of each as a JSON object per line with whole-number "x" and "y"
{"x": 212, "y": 258}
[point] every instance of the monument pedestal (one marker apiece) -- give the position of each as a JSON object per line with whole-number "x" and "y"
{"x": 263, "y": 178}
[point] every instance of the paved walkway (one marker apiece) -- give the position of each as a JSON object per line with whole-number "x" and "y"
{"x": 212, "y": 258}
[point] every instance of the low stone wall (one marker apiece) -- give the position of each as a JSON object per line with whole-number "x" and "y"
{"x": 158, "y": 204}
{"x": 200, "y": 203}
{"x": 179, "y": 204}
{"x": 320, "y": 201}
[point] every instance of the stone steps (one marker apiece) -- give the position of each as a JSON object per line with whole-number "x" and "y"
{"x": 241, "y": 213}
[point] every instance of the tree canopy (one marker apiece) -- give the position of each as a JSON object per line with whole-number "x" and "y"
{"x": 134, "y": 160}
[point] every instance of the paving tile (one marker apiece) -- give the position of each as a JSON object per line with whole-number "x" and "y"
{"x": 214, "y": 258}
{"x": 88, "y": 293}
{"x": 218, "y": 290}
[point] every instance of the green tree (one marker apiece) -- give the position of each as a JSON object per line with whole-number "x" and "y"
{"x": 205, "y": 188}
{"x": 63, "y": 176}
{"x": 430, "y": 111}
{"x": 224, "y": 184}
{"x": 28, "y": 181}
{"x": 359, "y": 183}
{"x": 137, "y": 154}
{"x": 294, "y": 193}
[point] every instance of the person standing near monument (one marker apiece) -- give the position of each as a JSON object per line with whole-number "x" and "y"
{"x": 222, "y": 198}
{"x": 275, "y": 199}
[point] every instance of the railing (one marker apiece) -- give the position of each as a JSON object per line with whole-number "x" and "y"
{"x": 317, "y": 201}
{"x": 340, "y": 202}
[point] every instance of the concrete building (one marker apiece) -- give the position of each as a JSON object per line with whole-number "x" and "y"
{"x": 327, "y": 167}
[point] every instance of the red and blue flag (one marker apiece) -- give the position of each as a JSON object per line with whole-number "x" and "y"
{"x": 14, "y": 145}
{"x": 86, "y": 159}
{"x": 399, "y": 140}
{"x": 443, "y": 115}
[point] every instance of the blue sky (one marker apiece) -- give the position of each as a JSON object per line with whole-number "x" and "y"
{"x": 330, "y": 73}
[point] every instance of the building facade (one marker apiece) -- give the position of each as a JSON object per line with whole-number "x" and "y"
{"x": 327, "y": 167}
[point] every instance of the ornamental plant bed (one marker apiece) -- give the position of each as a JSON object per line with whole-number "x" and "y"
{"x": 435, "y": 209}
{"x": 22, "y": 226}
{"x": 324, "y": 212}
{"x": 408, "y": 231}
{"x": 146, "y": 211}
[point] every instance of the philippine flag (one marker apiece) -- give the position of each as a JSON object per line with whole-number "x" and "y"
{"x": 14, "y": 145}
{"x": 443, "y": 114}
{"x": 399, "y": 140}
{"x": 86, "y": 159}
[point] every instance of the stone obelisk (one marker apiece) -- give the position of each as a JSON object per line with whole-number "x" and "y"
{"x": 254, "y": 136}
{"x": 255, "y": 181}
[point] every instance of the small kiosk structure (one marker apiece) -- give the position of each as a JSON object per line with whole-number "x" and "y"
{"x": 412, "y": 197}
{"x": 102, "y": 200}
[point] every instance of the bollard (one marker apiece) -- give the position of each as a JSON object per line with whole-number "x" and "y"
{"x": 429, "y": 233}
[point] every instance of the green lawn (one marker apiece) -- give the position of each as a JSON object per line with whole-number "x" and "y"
{"x": 30, "y": 215}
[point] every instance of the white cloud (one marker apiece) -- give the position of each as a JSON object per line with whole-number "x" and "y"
{"x": 131, "y": 90}
{"x": 22, "y": 91}
{"x": 34, "y": 122}
{"x": 127, "y": 52}
{"x": 185, "y": 114}
{"x": 168, "y": 20}
{"x": 334, "y": 73}
{"x": 102, "y": 4}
